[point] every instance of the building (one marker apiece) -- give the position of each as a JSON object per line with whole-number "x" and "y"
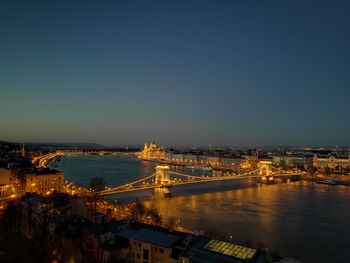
{"x": 5, "y": 189}
{"x": 249, "y": 162}
{"x": 44, "y": 181}
{"x": 101, "y": 241}
{"x": 152, "y": 245}
{"x": 4, "y": 176}
{"x": 36, "y": 211}
{"x": 292, "y": 161}
{"x": 23, "y": 151}
{"x": 230, "y": 163}
{"x": 202, "y": 160}
{"x": 152, "y": 151}
{"x": 178, "y": 158}
{"x": 332, "y": 162}
{"x": 29, "y": 211}
{"x": 168, "y": 156}
{"x": 206, "y": 250}
{"x": 214, "y": 160}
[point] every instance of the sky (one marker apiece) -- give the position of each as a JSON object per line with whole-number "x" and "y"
{"x": 225, "y": 73}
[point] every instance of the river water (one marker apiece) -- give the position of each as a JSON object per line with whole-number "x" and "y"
{"x": 307, "y": 221}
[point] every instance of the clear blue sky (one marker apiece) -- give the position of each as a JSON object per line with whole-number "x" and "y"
{"x": 178, "y": 72}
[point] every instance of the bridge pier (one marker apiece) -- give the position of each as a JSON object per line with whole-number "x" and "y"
{"x": 265, "y": 168}
{"x": 162, "y": 174}
{"x": 266, "y": 172}
{"x": 267, "y": 179}
{"x": 163, "y": 179}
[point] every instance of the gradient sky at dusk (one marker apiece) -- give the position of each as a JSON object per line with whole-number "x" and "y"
{"x": 179, "y": 72}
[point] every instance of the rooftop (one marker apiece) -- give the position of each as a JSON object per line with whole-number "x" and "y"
{"x": 204, "y": 250}
{"x": 230, "y": 249}
{"x": 45, "y": 171}
{"x": 158, "y": 238}
{"x": 109, "y": 227}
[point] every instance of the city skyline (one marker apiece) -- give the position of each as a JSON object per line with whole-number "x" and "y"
{"x": 184, "y": 73}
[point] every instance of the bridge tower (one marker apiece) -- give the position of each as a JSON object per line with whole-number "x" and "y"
{"x": 266, "y": 172}
{"x": 163, "y": 179}
{"x": 265, "y": 168}
{"x": 162, "y": 174}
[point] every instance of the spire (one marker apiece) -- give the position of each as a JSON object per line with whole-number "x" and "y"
{"x": 23, "y": 151}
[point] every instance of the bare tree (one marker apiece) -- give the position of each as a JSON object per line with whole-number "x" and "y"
{"x": 153, "y": 216}
{"x": 138, "y": 211}
{"x": 97, "y": 184}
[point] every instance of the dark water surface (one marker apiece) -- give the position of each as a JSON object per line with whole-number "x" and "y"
{"x": 307, "y": 221}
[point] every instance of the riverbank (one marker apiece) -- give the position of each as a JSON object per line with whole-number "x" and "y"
{"x": 171, "y": 163}
{"x": 301, "y": 219}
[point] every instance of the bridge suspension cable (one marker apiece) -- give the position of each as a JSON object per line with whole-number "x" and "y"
{"x": 187, "y": 175}
{"x": 212, "y": 178}
{"x": 203, "y": 177}
{"x": 129, "y": 187}
{"x": 278, "y": 169}
{"x": 128, "y": 184}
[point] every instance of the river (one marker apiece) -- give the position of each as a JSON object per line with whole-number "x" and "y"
{"x": 307, "y": 221}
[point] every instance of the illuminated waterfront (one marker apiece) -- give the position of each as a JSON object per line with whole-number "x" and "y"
{"x": 297, "y": 219}
{"x": 114, "y": 169}
{"x": 309, "y": 222}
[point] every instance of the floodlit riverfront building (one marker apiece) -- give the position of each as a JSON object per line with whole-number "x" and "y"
{"x": 206, "y": 250}
{"x": 323, "y": 162}
{"x": 44, "y": 181}
{"x": 150, "y": 244}
{"x": 292, "y": 161}
{"x": 5, "y": 189}
{"x": 152, "y": 152}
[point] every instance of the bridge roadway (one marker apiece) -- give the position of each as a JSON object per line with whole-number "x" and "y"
{"x": 152, "y": 181}
{"x": 41, "y": 161}
{"x": 98, "y": 152}
{"x": 190, "y": 180}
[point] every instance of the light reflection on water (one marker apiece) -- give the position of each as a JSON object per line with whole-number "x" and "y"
{"x": 309, "y": 222}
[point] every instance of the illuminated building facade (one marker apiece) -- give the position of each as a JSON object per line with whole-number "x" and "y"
{"x": 332, "y": 162}
{"x": 250, "y": 162}
{"x": 290, "y": 161}
{"x": 152, "y": 151}
{"x": 34, "y": 210}
{"x": 207, "y": 250}
{"x": 153, "y": 245}
{"x": 203, "y": 160}
{"x": 5, "y": 190}
{"x": 44, "y": 182}
{"x": 4, "y": 176}
{"x": 23, "y": 151}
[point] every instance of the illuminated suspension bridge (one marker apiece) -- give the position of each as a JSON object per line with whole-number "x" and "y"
{"x": 165, "y": 178}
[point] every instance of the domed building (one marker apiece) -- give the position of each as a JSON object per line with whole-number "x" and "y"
{"x": 152, "y": 152}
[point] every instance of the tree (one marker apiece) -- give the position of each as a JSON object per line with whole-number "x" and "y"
{"x": 312, "y": 171}
{"x": 283, "y": 165}
{"x": 153, "y": 216}
{"x": 327, "y": 171}
{"x": 97, "y": 184}
{"x": 138, "y": 211}
{"x": 10, "y": 216}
